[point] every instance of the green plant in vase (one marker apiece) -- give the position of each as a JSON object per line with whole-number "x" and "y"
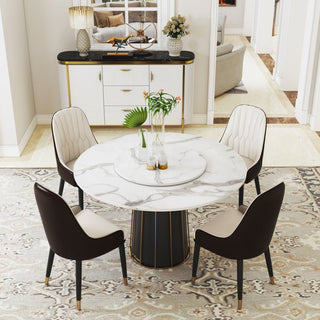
{"x": 136, "y": 118}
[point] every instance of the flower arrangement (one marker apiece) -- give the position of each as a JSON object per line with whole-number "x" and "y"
{"x": 160, "y": 102}
{"x": 176, "y": 27}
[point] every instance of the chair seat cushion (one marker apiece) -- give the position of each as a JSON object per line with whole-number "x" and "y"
{"x": 95, "y": 226}
{"x": 249, "y": 162}
{"x": 223, "y": 224}
{"x": 70, "y": 164}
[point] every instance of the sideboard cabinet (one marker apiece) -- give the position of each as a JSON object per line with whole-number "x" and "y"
{"x": 108, "y": 87}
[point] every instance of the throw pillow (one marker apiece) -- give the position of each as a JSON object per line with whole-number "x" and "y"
{"x": 101, "y": 18}
{"x": 116, "y": 20}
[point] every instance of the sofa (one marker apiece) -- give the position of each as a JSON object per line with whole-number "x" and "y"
{"x": 221, "y": 26}
{"x": 229, "y": 65}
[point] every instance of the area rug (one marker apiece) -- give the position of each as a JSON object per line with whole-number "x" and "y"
{"x": 238, "y": 89}
{"x": 167, "y": 293}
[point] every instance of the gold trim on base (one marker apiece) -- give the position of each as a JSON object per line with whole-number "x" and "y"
{"x": 125, "y": 281}
{"x": 239, "y": 305}
{"x": 272, "y": 280}
{"x": 163, "y": 166}
{"x": 193, "y": 280}
{"x": 79, "y": 305}
{"x": 46, "y": 281}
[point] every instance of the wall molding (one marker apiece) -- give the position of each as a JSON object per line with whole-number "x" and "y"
{"x": 44, "y": 118}
{"x": 199, "y": 118}
{"x": 16, "y": 150}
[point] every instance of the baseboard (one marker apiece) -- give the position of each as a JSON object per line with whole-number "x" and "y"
{"x": 199, "y": 118}
{"x": 44, "y": 118}
{"x": 16, "y": 150}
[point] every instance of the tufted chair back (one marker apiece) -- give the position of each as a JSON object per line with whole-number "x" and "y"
{"x": 71, "y": 134}
{"x": 245, "y": 132}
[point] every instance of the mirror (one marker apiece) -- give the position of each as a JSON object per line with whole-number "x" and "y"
{"x": 139, "y": 19}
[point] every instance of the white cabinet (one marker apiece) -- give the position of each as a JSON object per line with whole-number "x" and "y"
{"x": 86, "y": 91}
{"x": 169, "y": 78}
{"x": 106, "y": 92}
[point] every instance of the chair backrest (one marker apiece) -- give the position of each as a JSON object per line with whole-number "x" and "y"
{"x": 246, "y": 131}
{"x": 254, "y": 233}
{"x": 71, "y": 134}
{"x": 65, "y": 236}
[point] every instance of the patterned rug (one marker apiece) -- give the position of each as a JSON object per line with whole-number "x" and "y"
{"x": 160, "y": 294}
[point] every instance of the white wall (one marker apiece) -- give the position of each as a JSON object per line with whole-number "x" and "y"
{"x": 235, "y": 20}
{"x": 21, "y": 102}
{"x": 49, "y": 33}
{"x": 291, "y": 34}
{"x": 198, "y": 42}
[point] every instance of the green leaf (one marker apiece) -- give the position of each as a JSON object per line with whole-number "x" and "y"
{"x": 136, "y": 117}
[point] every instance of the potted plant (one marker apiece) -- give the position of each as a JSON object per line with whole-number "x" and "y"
{"x": 174, "y": 30}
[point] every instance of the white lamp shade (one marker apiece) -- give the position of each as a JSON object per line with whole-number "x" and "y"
{"x": 81, "y": 17}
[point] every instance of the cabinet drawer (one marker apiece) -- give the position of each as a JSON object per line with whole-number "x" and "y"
{"x": 126, "y": 75}
{"x": 124, "y": 95}
{"x": 114, "y": 115}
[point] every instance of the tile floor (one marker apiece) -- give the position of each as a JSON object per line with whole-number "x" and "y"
{"x": 286, "y": 144}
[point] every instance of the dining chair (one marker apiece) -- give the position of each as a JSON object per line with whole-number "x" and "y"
{"x": 76, "y": 234}
{"x": 242, "y": 233}
{"x": 245, "y": 133}
{"x": 72, "y": 136}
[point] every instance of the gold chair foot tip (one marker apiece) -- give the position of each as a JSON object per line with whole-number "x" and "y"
{"x": 46, "y": 281}
{"x": 125, "y": 281}
{"x": 79, "y": 305}
{"x": 239, "y": 305}
{"x": 272, "y": 280}
{"x": 193, "y": 280}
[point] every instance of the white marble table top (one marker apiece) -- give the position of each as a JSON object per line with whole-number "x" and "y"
{"x": 225, "y": 173}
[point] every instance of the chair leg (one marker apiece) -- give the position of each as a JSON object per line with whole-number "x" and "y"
{"x": 78, "y": 282}
{"x": 123, "y": 264}
{"x": 80, "y": 193}
{"x": 195, "y": 261}
{"x": 257, "y": 183}
{"x": 49, "y": 266}
{"x": 61, "y": 186}
{"x": 269, "y": 265}
{"x": 240, "y": 282}
{"x": 241, "y": 191}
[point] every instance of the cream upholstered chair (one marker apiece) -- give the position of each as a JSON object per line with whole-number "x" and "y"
{"x": 242, "y": 233}
{"x": 245, "y": 133}
{"x": 221, "y": 27}
{"x": 72, "y": 136}
{"x": 76, "y": 234}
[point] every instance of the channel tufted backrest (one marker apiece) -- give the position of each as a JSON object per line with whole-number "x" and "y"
{"x": 245, "y": 132}
{"x": 71, "y": 134}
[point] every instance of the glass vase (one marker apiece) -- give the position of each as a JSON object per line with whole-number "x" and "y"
{"x": 158, "y": 139}
{"x": 141, "y": 149}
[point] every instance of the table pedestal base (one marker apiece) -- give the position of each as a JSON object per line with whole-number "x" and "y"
{"x": 159, "y": 239}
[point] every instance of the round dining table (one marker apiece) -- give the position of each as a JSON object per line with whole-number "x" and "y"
{"x": 200, "y": 171}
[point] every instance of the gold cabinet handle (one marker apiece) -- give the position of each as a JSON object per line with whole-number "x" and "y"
{"x": 125, "y": 70}
{"x": 151, "y": 76}
{"x": 126, "y": 90}
{"x": 100, "y": 76}
{"x": 126, "y": 110}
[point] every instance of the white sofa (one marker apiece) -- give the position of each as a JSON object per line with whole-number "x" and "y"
{"x": 229, "y": 67}
{"x": 221, "y": 26}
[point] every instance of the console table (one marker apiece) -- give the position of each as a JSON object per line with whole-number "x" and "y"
{"x": 106, "y": 87}
{"x": 159, "y": 225}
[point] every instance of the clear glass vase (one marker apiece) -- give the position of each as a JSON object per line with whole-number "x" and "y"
{"x": 141, "y": 149}
{"x": 158, "y": 139}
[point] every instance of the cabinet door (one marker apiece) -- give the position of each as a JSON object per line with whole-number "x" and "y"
{"x": 169, "y": 78}
{"x": 87, "y": 92}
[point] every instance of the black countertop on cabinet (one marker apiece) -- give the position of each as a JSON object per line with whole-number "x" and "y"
{"x": 102, "y": 57}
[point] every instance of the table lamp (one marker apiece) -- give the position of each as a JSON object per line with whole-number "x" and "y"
{"x": 81, "y": 18}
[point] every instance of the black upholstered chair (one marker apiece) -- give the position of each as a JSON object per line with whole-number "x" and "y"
{"x": 76, "y": 234}
{"x": 72, "y": 136}
{"x": 242, "y": 234}
{"x": 245, "y": 133}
